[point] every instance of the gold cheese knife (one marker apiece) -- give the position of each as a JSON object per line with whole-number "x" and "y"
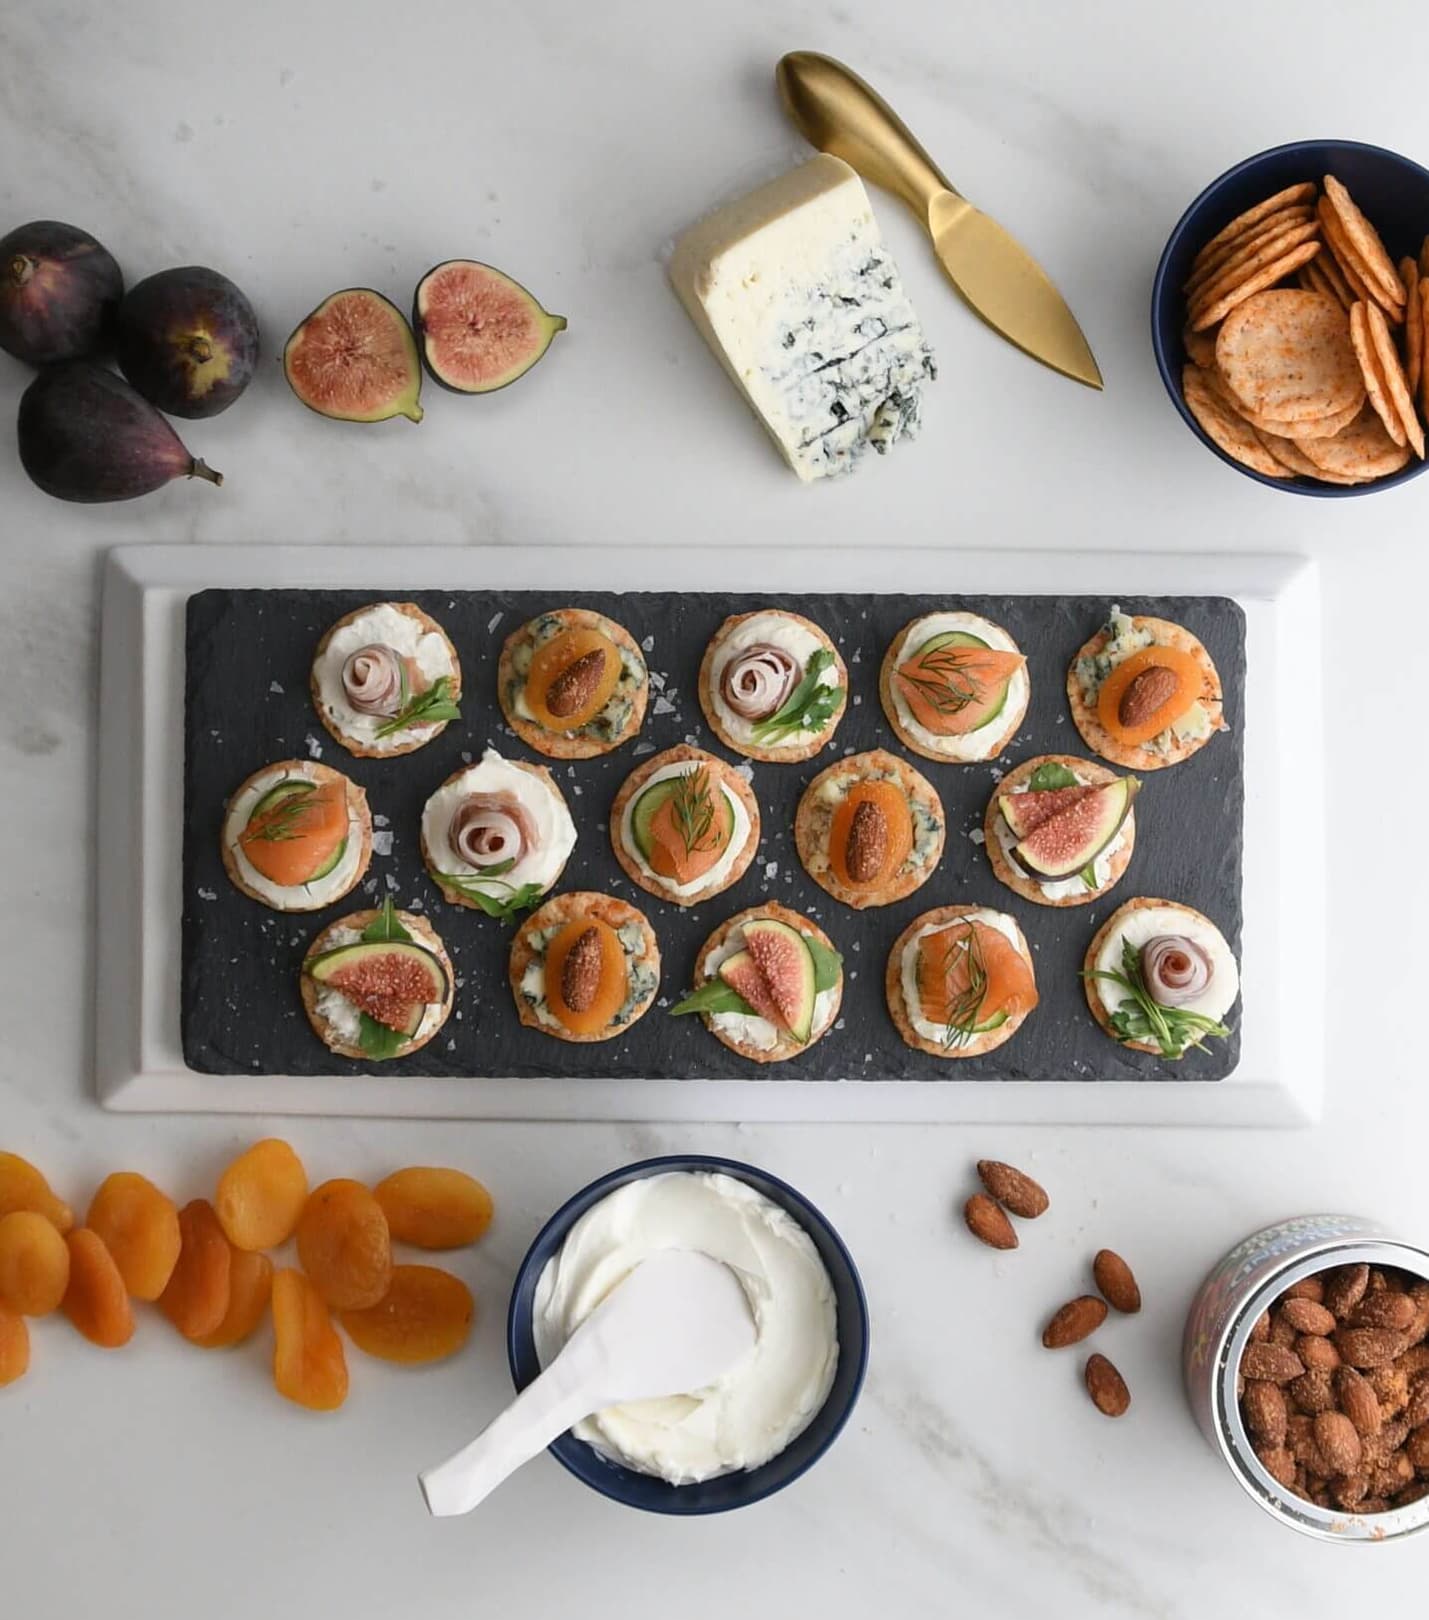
{"x": 997, "y": 277}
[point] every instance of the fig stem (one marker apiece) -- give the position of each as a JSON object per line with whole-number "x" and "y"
{"x": 201, "y": 469}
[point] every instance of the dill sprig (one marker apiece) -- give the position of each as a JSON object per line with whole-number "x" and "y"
{"x": 281, "y": 823}
{"x": 692, "y": 808}
{"x": 964, "y": 1014}
{"x": 942, "y": 679}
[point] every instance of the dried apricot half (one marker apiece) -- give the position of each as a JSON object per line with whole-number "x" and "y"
{"x": 196, "y": 1299}
{"x": 96, "y": 1301}
{"x": 250, "y": 1286}
{"x": 23, "y": 1187}
{"x": 140, "y": 1228}
{"x": 309, "y": 1365}
{"x": 261, "y": 1195}
{"x": 345, "y": 1246}
{"x": 14, "y": 1346}
{"x": 424, "y": 1315}
{"x": 434, "y": 1209}
{"x": 34, "y": 1264}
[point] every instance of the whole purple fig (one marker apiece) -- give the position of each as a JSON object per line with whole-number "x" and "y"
{"x": 59, "y": 293}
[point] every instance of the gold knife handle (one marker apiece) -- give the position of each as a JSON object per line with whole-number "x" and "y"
{"x": 837, "y": 112}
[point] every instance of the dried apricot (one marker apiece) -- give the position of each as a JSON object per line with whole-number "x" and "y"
{"x": 309, "y": 1365}
{"x": 196, "y": 1299}
{"x": 424, "y": 1315}
{"x": 23, "y": 1187}
{"x": 250, "y": 1286}
{"x": 344, "y": 1245}
{"x": 96, "y": 1301}
{"x": 140, "y": 1228}
{"x": 14, "y": 1346}
{"x": 434, "y": 1209}
{"x": 34, "y": 1264}
{"x": 261, "y": 1195}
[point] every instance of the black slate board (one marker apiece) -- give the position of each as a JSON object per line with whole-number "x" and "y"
{"x": 248, "y": 656}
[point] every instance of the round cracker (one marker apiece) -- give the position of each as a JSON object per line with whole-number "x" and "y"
{"x": 1020, "y": 882}
{"x": 1100, "y": 740}
{"x": 1365, "y": 240}
{"x": 564, "y": 908}
{"x": 1321, "y": 426}
{"x": 1375, "y": 384}
{"x": 355, "y": 745}
{"x": 789, "y": 753}
{"x": 1324, "y": 270}
{"x": 1238, "y": 251}
{"x": 314, "y": 772}
{"x": 1240, "y": 267}
{"x": 1413, "y": 324}
{"x": 1200, "y": 347}
{"x": 999, "y": 733}
{"x": 786, "y": 1046}
{"x": 729, "y": 778}
{"x": 898, "y": 1004}
{"x": 1361, "y": 451}
{"x": 570, "y": 744}
{"x": 1401, "y": 397}
{"x": 1265, "y": 277}
{"x": 456, "y": 897}
{"x": 813, "y": 819}
{"x": 1303, "y": 192}
{"x": 1352, "y": 267}
{"x": 1288, "y": 452}
{"x": 423, "y": 933}
{"x": 1225, "y": 427}
{"x": 1424, "y": 363}
{"x": 1286, "y": 355}
{"x": 1092, "y": 987}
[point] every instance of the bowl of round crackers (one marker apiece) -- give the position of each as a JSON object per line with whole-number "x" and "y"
{"x": 1290, "y": 317}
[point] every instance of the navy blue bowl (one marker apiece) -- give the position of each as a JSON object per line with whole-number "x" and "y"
{"x": 729, "y": 1490}
{"x": 1391, "y": 190}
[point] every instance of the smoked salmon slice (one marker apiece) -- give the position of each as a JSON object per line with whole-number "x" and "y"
{"x": 970, "y": 974}
{"x": 299, "y": 835}
{"x": 952, "y": 690}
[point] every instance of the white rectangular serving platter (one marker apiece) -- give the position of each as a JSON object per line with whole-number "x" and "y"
{"x": 139, "y": 1063}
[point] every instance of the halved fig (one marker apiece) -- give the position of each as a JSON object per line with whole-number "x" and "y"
{"x": 479, "y": 330}
{"x": 354, "y": 358}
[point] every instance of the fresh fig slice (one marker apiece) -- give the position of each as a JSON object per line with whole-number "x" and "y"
{"x": 86, "y": 435}
{"x": 354, "y": 358}
{"x": 59, "y": 293}
{"x": 479, "y": 330}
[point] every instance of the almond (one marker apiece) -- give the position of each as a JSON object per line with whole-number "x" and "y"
{"x": 1278, "y": 1463}
{"x": 1307, "y": 1288}
{"x": 1380, "y": 1447}
{"x": 1416, "y": 1413}
{"x": 868, "y": 841}
{"x": 1272, "y": 1361}
{"x": 1384, "y": 1310}
{"x": 574, "y": 687}
{"x": 987, "y": 1222}
{"x": 1281, "y": 1331}
{"x": 1395, "y": 1474}
{"x": 1261, "y": 1331}
{"x": 1368, "y": 1346}
{"x": 1358, "y": 1401}
{"x": 580, "y": 972}
{"x": 1317, "y": 1352}
{"x": 1312, "y": 1392}
{"x": 1117, "y": 1283}
{"x": 1012, "y": 1188}
{"x": 1338, "y": 1441}
{"x": 1345, "y": 1288}
{"x": 1106, "y": 1387}
{"x": 1076, "y": 1319}
{"x": 1265, "y": 1412}
{"x": 1145, "y": 693}
{"x": 1414, "y": 1360}
{"x": 1349, "y": 1490}
{"x": 1305, "y": 1316}
{"x": 1416, "y": 1449}
{"x": 1391, "y": 1387}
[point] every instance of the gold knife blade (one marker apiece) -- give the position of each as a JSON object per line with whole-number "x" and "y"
{"x": 993, "y": 273}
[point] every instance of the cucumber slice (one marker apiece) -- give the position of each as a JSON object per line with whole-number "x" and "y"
{"x": 286, "y": 789}
{"x": 644, "y": 812}
{"x": 331, "y": 863}
{"x": 963, "y": 638}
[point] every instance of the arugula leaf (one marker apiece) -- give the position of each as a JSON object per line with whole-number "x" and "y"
{"x": 828, "y": 965}
{"x": 1089, "y": 874}
{"x": 428, "y": 708}
{"x": 713, "y": 996}
{"x": 809, "y": 707}
{"x": 384, "y": 926}
{"x": 1172, "y": 1029}
{"x": 377, "y": 1041}
{"x": 504, "y": 907}
{"x": 1047, "y": 778}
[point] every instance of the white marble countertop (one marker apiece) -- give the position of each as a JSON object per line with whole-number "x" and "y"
{"x": 302, "y": 148}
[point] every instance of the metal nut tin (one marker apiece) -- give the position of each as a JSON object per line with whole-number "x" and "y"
{"x": 1236, "y": 1291}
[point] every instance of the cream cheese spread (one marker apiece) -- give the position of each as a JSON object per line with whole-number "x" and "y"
{"x": 738, "y": 838}
{"x": 986, "y": 740}
{"x": 749, "y": 1029}
{"x": 555, "y": 838}
{"x": 771, "y": 629}
{"x": 344, "y": 1015}
{"x": 309, "y": 895}
{"x": 771, "y": 1394}
{"x": 909, "y": 967}
{"x": 1145, "y": 923}
{"x": 383, "y": 625}
{"x": 1060, "y": 888}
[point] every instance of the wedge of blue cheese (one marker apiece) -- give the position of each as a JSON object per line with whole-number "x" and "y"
{"x": 794, "y": 290}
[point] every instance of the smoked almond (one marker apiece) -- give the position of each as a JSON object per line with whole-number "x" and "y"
{"x": 1074, "y": 1321}
{"x": 1014, "y": 1189}
{"x": 1271, "y": 1361}
{"x": 988, "y": 1222}
{"x": 1368, "y": 1346}
{"x": 1305, "y": 1316}
{"x": 1106, "y": 1387}
{"x": 1384, "y": 1310}
{"x": 1339, "y": 1442}
{"x": 1358, "y": 1401}
{"x": 1265, "y": 1411}
{"x": 1345, "y": 1287}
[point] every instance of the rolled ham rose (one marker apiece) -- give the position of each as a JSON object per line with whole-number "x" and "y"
{"x": 1175, "y": 969}
{"x": 757, "y": 682}
{"x": 372, "y": 680}
{"x": 489, "y": 829}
